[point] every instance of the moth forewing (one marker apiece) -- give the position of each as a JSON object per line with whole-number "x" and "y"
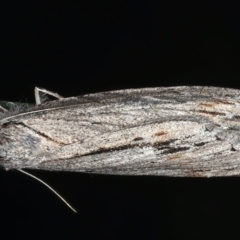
{"x": 175, "y": 131}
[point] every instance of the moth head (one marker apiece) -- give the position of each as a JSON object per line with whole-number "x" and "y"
{"x": 17, "y": 144}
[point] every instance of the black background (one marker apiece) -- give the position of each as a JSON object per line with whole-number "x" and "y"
{"x": 78, "y": 47}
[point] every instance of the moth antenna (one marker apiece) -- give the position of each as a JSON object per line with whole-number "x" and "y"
{"x": 41, "y": 181}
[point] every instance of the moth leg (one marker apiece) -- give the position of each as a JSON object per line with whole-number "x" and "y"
{"x": 43, "y": 95}
{"x": 2, "y": 109}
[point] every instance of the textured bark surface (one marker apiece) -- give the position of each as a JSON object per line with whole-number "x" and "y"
{"x": 175, "y": 131}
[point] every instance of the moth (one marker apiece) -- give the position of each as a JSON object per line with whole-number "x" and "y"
{"x": 186, "y": 131}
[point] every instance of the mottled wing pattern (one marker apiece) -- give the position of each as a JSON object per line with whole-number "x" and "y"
{"x": 177, "y": 131}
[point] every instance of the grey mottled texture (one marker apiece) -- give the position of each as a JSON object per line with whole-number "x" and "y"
{"x": 175, "y": 131}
